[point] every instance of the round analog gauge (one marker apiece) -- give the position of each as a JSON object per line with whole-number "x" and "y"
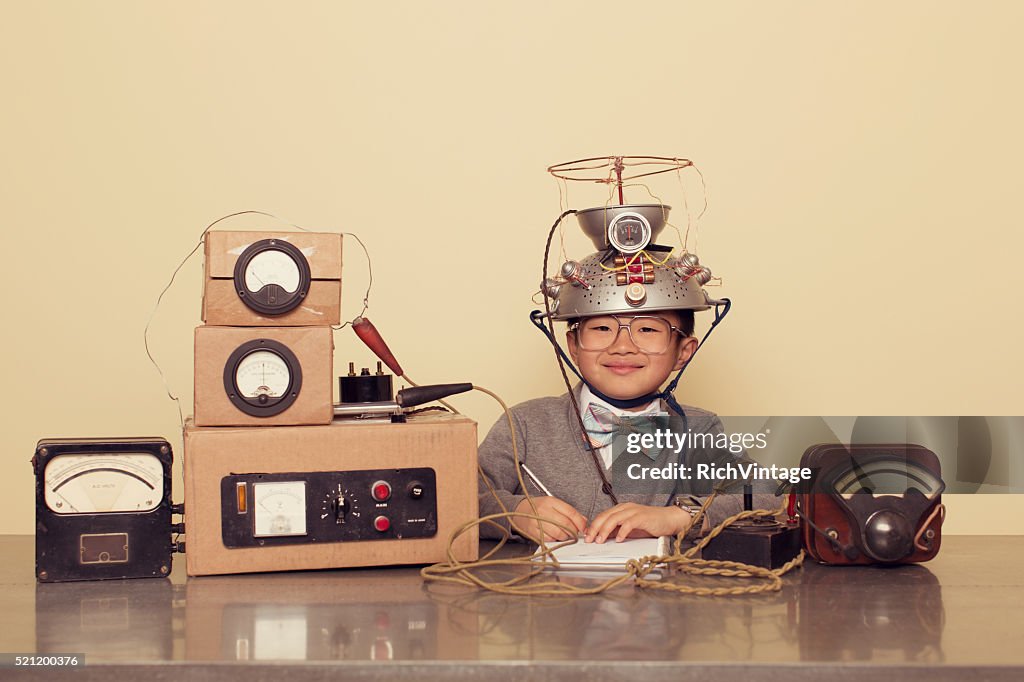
{"x": 272, "y": 267}
{"x": 99, "y": 483}
{"x": 272, "y": 276}
{"x": 629, "y": 232}
{"x": 262, "y": 377}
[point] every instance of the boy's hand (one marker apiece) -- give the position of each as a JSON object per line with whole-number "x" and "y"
{"x": 550, "y": 508}
{"x": 637, "y": 520}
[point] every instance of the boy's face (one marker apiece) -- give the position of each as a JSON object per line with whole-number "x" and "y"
{"x": 621, "y": 370}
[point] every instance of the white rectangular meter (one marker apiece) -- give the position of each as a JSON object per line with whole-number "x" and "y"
{"x": 280, "y": 508}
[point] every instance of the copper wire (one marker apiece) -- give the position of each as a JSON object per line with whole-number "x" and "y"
{"x": 564, "y": 170}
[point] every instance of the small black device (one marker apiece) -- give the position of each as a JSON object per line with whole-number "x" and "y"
{"x": 272, "y": 276}
{"x": 758, "y": 541}
{"x": 365, "y": 387}
{"x": 103, "y": 508}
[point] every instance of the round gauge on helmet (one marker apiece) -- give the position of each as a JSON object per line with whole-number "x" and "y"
{"x": 629, "y": 232}
{"x": 272, "y": 276}
{"x": 97, "y": 483}
{"x": 262, "y": 377}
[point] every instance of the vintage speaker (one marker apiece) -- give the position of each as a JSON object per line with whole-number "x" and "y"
{"x": 872, "y": 504}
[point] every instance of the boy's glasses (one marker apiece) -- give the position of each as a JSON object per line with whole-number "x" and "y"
{"x": 650, "y": 334}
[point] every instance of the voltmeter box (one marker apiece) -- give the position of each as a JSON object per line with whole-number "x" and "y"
{"x": 264, "y": 376}
{"x": 269, "y": 279}
{"x": 348, "y": 494}
{"x": 103, "y": 508}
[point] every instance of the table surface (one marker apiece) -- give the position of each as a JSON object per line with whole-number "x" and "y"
{"x": 957, "y": 617}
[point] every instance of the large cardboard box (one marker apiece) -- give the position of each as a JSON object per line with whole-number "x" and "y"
{"x": 445, "y": 443}
{"x": 313, "y": 349}
{"x": 322, "y": 304}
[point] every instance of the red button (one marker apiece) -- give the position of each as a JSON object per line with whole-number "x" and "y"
{"x": 381, "y": 523}
{"x": 381, "y": 491}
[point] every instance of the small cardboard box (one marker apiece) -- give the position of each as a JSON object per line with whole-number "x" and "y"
{"x": 322, "y": 305}
{"x": 445, "y": 443}
{"x": 313, "y": 348}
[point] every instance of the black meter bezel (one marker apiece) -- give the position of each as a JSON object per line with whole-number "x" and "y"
{"x": 285, "y": 302}
{"x": 252, "y": 406}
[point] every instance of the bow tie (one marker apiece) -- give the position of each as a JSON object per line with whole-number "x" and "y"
{"x": 602, "y": 425}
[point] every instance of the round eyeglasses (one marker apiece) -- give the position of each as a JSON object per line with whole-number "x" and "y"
{"x": 649, "y": 333}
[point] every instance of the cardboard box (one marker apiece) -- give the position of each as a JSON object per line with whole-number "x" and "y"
{"x": 445, "y": 443}
{"x": 313, "y": 348}
{"x": 322, "y": 304}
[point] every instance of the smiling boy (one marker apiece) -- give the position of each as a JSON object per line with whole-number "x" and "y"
{"x": 627, "y": 334}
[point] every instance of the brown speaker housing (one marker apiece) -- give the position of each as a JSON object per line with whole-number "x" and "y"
{"x": 824, "y": 516}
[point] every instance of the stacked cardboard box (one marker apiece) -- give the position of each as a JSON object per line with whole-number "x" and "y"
{"x": 264, "y": 411}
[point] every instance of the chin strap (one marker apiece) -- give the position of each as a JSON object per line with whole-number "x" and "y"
{"x": 537, "y": 318}
{"x": 722, "y": 308}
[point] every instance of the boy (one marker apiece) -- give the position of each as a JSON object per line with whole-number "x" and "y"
{"x": 626, "y": 343}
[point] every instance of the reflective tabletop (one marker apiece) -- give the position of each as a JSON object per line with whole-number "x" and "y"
{"x": 957, "y": 617}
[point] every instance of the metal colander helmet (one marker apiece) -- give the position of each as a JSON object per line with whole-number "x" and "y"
{"x": 629, "y": 273}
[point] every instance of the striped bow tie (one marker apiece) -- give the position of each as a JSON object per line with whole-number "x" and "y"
{"x": 602, "y": 425}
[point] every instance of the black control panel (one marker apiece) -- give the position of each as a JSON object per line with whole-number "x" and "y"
{"x": 263, "y": 510}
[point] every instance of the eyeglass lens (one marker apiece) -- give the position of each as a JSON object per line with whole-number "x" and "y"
{"x": 649, "y": 334}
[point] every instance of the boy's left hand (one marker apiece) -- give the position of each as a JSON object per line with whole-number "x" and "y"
{"x": 637, "y": 520}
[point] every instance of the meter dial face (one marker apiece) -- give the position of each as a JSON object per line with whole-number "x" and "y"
{"x": 280, "y": 508}
{"x": 262, "y": 373}
{"x": 629, "y": 232}
{"x": 272, "y": 276}
{"x": 888, "y": 477}
{"x": 262, "y": 378}
{"x": 272, "y": 267}
{"x": 98, "y": 483}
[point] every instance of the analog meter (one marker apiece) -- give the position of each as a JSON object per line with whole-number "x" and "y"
{"x": 262, "y": 377}
{"x": 103, "y": 508}
{"x": 272, "y": 276}
{"x": 629, "y": 232}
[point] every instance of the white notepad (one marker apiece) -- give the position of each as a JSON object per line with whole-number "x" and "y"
{"x": 610, "y": 555}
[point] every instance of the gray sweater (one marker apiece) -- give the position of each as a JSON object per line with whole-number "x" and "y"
{"x": 551, "y": 444}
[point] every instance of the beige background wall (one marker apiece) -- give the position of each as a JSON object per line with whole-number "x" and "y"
{"x": 861, "y": 159}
